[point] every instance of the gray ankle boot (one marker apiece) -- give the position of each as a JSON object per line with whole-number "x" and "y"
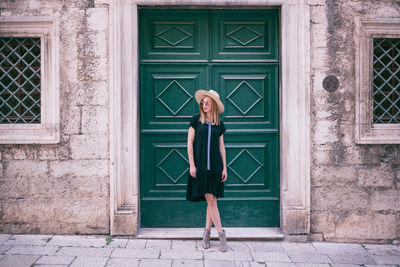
{"x": 222, "y": 241}
{"x": 206, "y": 238}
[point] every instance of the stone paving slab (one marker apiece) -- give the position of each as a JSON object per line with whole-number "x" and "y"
{"x": 55, "y": 260}
{"x": 123, "y": 262}
{"x": 351, "y": 259}
{"x": 18, "y": 260}
{"x": 267, "y": 246}
{"x": 299, "y": 247}
{"x": 280, "y": 264}
{"x": 155, "y": 262}
{"x": 270, "y": 257}
{"x": 136, "y": 243}
{"x": 229, "y": 255}
{"x": 89, "y": 261}
{"x": 4, "y": 238}
{"x": 386, "y": 259}
{"x": 148, "y": 253}
{"x": 84, "y": 251}
{"x": 184, "y": 244}
{"x": 154, "y": 243}
{"x": 299, "y": 257}
{"x": 33, "y": 250}
{"x": 179, "y": 254}
{"x": 32, "y": 240}
{"x": 77, "y": 241}
{"x": 339, "y": 248}
{"x": 383, "y": 250}
{"x": 4, "y": 248}
{"x": 118, "y": 243}
{"x": 191, "y": 263}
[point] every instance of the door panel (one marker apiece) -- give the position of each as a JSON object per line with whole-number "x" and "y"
{"x": 234, "y": 52}
{"x": 244, "y": 35}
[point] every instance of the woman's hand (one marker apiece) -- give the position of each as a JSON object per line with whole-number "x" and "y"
{"x": 224, "y": 175}
{"x": 192, "y": 171}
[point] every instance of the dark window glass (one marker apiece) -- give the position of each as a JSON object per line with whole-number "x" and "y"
{"x": 19, "y": 80}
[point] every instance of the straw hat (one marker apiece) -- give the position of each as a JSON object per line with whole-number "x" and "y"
{"x": 200, "y": 94}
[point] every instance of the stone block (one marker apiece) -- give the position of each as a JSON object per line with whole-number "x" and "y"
{"x": 376, "y": 177}
{"x": 322, "y": 222}
{"x": 95, "y": 69}
{"x": 324, "y": 132}
{"x": 318, "y": 15}
{"x": 51, "y": 152}
{"x": 101, "y": 2}
{"x": 95, "y": 120}
{"x": 367, "y": 227}
{"x": 90, "y": 93}
{"x": 316, "y": 237}
{"x": 97, "y": 19}
{"x": 20, "y": 152}
{"x": 70, "y": 120}
{"x": 319, "y": 58}
{"x": 92, "y": 44}
{"x": 89, "y": 147}
{"x": 347, "y": 135}
{"x": 23, "y": 177}
{"x": 320, "y": 155}
{"x": 388, "y": 200}
{"x": 319, "y": 35}
{"x": 79, "y": 168}
{"x": 329, "y": 175}
{"x": 339, "y": 199}
{"x": 118, "y": 243}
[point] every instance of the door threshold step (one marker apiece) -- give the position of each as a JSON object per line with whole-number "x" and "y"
{"x": 232, "y": 233}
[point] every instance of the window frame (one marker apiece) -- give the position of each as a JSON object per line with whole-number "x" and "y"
{"x": 367, "y": 132}
{"x": 48, "y": 131}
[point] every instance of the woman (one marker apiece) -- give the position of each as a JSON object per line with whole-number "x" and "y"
{"x": 207, "y": 159}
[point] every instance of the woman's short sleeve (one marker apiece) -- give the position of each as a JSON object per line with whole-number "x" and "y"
{"x": 222, "y": 128}
{"x": 193, "y": 121}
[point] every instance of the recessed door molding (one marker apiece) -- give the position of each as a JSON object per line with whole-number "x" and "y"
{"x": 294, "y": 110}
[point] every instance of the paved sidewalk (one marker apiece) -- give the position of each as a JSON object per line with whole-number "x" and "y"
{"x": 57, "y": 250}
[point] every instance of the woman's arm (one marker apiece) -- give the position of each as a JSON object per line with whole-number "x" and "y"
{"x": 190, "y": 140}
{"x": 223, "y": 156}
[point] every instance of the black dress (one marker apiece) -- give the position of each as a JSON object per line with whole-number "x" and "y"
{"x": 209, "y": 173}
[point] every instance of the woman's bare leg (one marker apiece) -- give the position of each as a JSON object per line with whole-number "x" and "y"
{"x": 212, "y": 207}
{"x": 208, "y": 218}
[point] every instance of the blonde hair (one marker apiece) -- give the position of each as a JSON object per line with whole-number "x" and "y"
{"x": 214, "y": 112}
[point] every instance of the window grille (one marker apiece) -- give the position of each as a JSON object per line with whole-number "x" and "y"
{"x": 386, "y": 80}
{"x": 19, "y": 80}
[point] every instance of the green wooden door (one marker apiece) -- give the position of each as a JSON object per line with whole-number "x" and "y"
{"x": 234, "y": 52}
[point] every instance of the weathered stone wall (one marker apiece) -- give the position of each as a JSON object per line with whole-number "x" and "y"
{"x": 355, "y": 189}
{"x": 64, "y": 188}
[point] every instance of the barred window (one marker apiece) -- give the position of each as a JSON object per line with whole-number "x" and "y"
{"x": 386, "y": 80}
{"x": 20, "y": 80}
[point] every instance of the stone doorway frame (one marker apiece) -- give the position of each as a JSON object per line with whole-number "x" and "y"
{"x": 294, "y": 121}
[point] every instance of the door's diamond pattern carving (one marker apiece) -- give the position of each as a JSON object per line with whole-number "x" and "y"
{"x": 174, "y": 165}
{"x": 244, "y": 165}
{"x": 174, "y": 97}
{"x": 244, "y": 97}
{"x": 244, "y": 35}
{"x": 173, "y": 35}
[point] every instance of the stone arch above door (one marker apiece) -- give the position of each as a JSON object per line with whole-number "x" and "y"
{"x": 124, "y": 112}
